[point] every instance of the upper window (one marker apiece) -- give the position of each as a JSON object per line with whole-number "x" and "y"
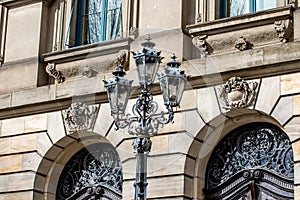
{"x": 231, "y": 8}
{"x": 93, "y": 21}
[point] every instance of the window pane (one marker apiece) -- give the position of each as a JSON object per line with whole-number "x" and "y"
{"x": 265, "y": 4}
{"x": 94, "y": 21}
{"x": 93, "y": 18}
{"x": 239, "y": 7}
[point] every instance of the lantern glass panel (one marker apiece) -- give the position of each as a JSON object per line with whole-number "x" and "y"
{"x": 146, "y": 69}
{"x": 164, "y": 89}
{"x": 181, "y": 86}
{"x": 173, "y": 90}
{"x": 122, "y": 98}
{"x": 151, "y": 68}
{"x": 112, "y": 93}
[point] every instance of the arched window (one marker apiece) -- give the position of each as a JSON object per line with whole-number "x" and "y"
{"x": 255, "y": 161}
{"x": 93, "y": 21}
{"x": 93, "y": 173}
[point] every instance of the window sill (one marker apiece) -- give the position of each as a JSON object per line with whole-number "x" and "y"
{"x": 243, "y": 21}
{"x": 92, "y": 50}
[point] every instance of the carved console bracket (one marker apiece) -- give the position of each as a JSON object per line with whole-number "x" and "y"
{"x": 242, "y": 44}
{"x": 200, "y": 43}
{"x": 57, "y": 75}
{"x": 79, "y": 116}
{"x": 284, "y": 30}
{"x": 293, "y": 3}
{"x": 122, "y": 59}
{"x": 237, "y": 93}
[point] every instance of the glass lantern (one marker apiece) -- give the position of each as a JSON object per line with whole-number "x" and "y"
{"x": 118, "y": 91}
{"x": 147, "y": 62}
{"x": 172, "y": 83}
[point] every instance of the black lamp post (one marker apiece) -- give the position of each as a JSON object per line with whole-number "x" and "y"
{"x": 145, "y": 122}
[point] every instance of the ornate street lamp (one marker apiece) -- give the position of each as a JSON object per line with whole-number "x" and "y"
{"x": 145, "y": 121}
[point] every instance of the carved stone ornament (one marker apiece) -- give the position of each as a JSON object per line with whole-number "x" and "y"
{"x": 133, "y": 31}
{"x": 88, "y": 72}
{"x": 284, "y": 30}
{"x": 242, "y": 44}
{"x": 200, "y": 43}
{"x": 293, "y": 3}
{"x": 237, "y": 93}
{"x": 57, "y": 75}
{"x": 79, "y": 116}
{"x": 121, "y": 59}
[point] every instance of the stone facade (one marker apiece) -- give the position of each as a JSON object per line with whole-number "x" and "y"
{"x": 35, "y": 144}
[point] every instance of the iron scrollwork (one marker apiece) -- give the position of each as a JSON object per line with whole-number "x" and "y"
{"x": 258, "y": 147}
{"x": 144, "y": 122}
{"x": 94, "y": 171}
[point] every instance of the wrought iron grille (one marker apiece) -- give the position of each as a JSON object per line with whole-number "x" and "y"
{"x": 255, "y": 160}
{"x": 94, "y": 172}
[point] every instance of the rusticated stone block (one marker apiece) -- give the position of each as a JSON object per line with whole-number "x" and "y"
{"x": 290, "y": 83}
{"x": 266, "y": 99}
{"x": 296, "y": 150}
{"x": 17, "y": 195}
{"x": 13, "y": 126}
{"x": 283, "y": 110}
{"x": 23, "y": 143}
{"x": 35, "y": 123}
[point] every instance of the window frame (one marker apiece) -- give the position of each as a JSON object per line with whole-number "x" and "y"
{"x": 76, "y": 34}
{"x": 225, "y": 8}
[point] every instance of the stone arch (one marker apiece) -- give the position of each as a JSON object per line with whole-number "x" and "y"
{"x": 211, "y": 134}
{"x": 56, "y": 157}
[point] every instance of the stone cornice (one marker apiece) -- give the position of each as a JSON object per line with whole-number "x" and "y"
{"x": 17, "y": 3}
{"x": 213, "y": 70}
{"x": 241, "y": 22}
{"x": 81, "y": 52}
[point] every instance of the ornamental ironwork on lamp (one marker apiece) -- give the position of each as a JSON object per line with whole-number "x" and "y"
{"x": 147, "y": 61}
{"x": 145, "y": 121}
{"x": 172, "y": 83}
{"x": 118, "y": 91}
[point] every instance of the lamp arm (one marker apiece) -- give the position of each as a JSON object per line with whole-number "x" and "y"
{"x": 144, "y": 121}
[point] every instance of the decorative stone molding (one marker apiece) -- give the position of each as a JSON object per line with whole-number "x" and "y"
{"x": 200, "y": 43}
{"x": 133, "y": 32}
{"x": 122, "y": 59}
{"x": 57, "y": 75}
{"x": 79, "y": 116}
{"x": 237, "y": 93}
{"x": 88, "y": 72}
{"x": 293, "y": 3}
{"x": 55, "y": 47}
{"x": 199, "y": 18}
{"x": 242, "y": 44}
{"x": 284, "y": 30}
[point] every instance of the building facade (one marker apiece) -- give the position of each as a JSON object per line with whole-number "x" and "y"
{"x": 236, "y": 134}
